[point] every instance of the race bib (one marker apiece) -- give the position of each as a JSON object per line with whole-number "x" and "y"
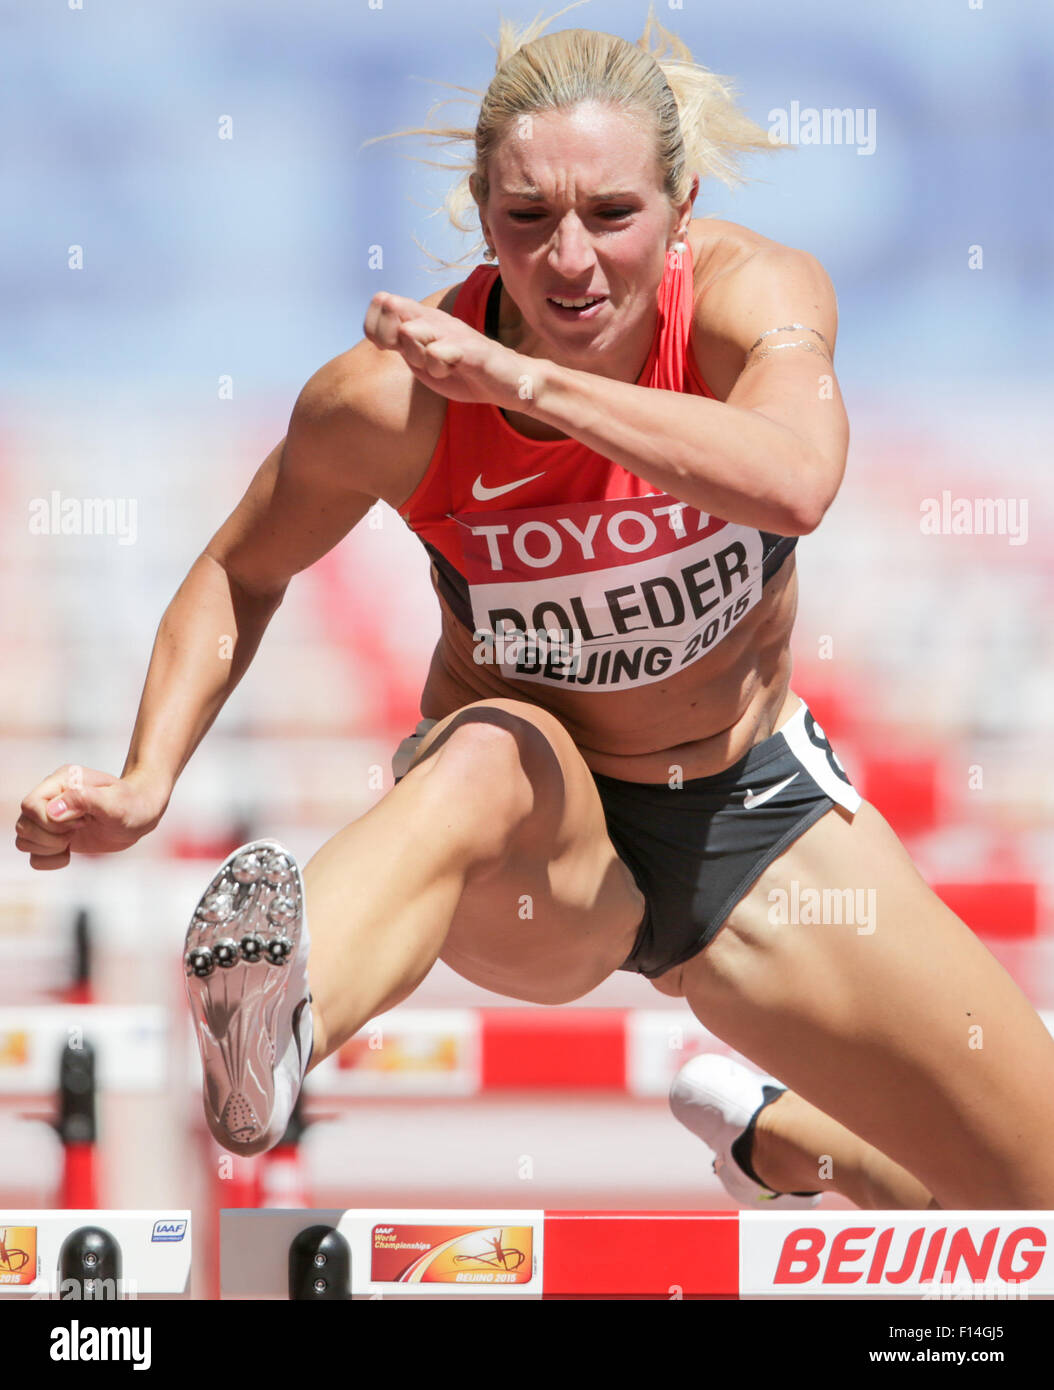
{"x": 605, "y": 595}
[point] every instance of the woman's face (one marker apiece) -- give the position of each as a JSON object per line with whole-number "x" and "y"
{"x": 576, "y": 211}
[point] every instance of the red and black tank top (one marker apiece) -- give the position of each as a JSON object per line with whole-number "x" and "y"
{"x": 568, "y": 569}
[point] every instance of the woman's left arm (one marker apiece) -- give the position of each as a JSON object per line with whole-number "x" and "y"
{"x": 772, "y": 455}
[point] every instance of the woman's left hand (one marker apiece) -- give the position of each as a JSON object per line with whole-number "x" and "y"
{"x": 447, "y": 355}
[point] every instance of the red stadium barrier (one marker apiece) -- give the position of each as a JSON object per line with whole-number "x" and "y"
{"x": 466, "y": 1052}
{"x": 1003, "y": 911}
{"x": 905, "y": 790}
{"x": 569, "y": 1050}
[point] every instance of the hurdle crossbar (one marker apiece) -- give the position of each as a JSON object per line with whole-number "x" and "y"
{"x": 655, "y": 1254}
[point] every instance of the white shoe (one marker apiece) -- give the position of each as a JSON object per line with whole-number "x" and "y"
{"x": 246, "y": 975}
{"x": 716, "y": 1098}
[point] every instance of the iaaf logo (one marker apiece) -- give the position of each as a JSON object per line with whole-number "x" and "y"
{"x": 169, "y": 1230}
{"x": 898, "y": 1257}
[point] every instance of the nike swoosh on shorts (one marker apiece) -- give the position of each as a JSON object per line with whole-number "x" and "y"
{"x": 750, "y": 800}
{"x": 484, "y": 494}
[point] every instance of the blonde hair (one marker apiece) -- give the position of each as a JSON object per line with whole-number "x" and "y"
{"x": 698, "y": 124}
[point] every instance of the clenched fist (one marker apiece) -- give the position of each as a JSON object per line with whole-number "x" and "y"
{"x": 449, "y": 355}
{"x": 79, "y": 809}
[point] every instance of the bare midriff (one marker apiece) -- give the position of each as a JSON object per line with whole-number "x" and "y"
{"x": 701, "y": 721}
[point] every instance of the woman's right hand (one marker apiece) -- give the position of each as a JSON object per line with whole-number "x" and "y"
{"x": 79, "y": 809}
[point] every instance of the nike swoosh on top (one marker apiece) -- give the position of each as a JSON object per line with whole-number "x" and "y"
{"x": 484, "y": 494}
{"x": 751, "y": 800}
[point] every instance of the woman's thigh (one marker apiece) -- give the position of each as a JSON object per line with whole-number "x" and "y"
{"x": 559, "y": 911}
{"x": 883, "y": 1009}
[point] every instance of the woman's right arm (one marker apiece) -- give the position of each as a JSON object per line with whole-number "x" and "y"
{"x": 295, "y": 510}
{"x": 343, "y": 450}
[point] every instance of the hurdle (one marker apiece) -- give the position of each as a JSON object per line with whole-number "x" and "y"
{"x": 56, "y": 1058}
{"x": 94, "y": 1256}
{"x": 335, "y": 1255}
{"x": 411, "y": 1052}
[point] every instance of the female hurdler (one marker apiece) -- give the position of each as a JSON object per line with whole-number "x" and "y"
{"x": 610, "y": 442}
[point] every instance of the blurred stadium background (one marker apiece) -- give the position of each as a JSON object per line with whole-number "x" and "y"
{"x": 217, "y": 275}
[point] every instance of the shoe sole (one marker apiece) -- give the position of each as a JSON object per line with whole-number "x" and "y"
{"x": 242, "y": 941}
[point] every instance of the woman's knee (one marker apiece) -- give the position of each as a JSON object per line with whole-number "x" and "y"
{"x": 493, "y": 776}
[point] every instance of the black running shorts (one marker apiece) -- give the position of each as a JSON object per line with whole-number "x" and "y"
{"x": 697, "y": 847}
